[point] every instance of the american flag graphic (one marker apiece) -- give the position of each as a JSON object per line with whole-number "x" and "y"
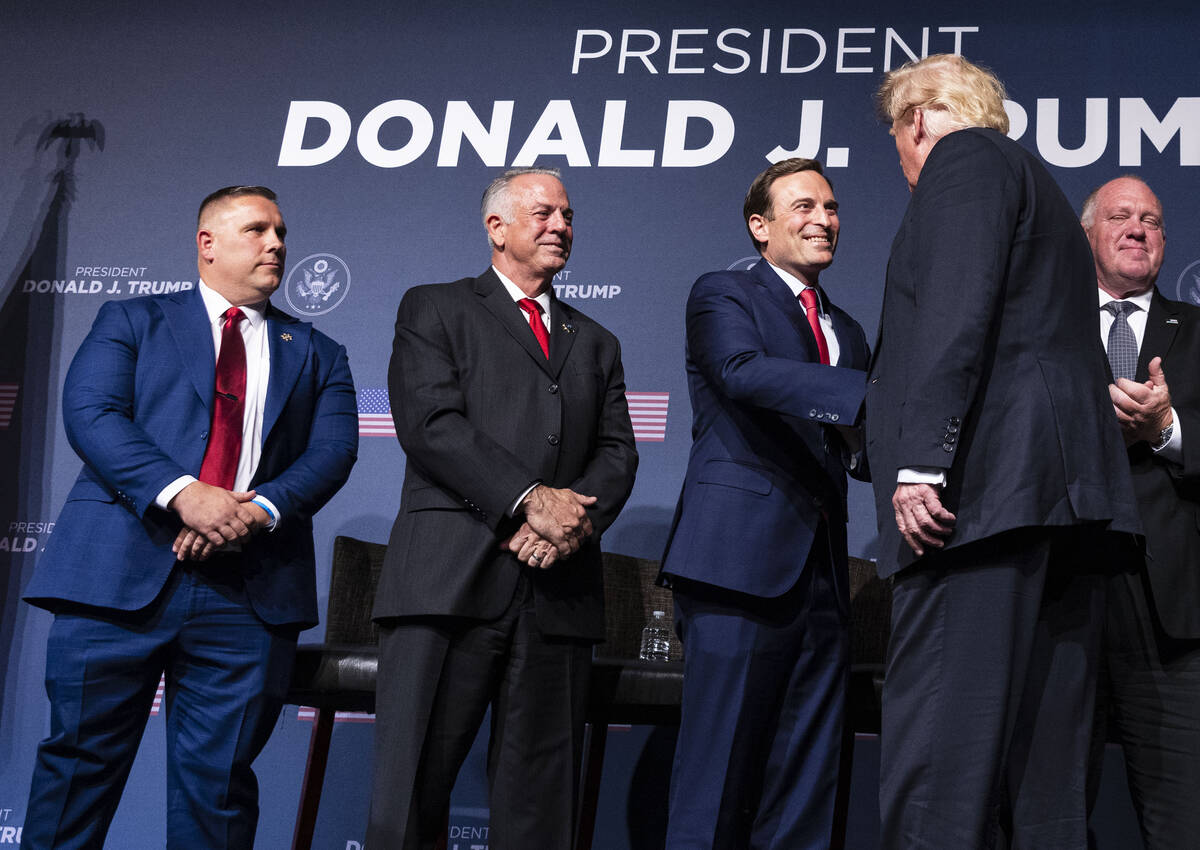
{"x": 8, "y": 402}
{"x": 158, "y": 695}
{"x": 374, "y": 414}
{"x": 310, "y": 714}
{"x": 649, "y": 414}
{"x": 647, "y": 410}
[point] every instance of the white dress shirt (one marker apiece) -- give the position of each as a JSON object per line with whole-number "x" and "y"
{"x": 258, "y": 374}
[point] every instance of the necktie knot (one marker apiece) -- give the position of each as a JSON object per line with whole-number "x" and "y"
{"x": 234, "y": 315}
{"x": 808, "y": 298}
{"x": 530, "y": 306}
{"x": 1120, "y": 309}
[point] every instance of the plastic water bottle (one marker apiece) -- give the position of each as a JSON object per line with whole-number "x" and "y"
{"x": 656, "y": 639}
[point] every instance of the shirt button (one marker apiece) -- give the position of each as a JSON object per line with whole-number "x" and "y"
{"x": 552, "y": 439}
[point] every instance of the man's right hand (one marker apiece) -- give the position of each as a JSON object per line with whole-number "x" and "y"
{"x": 219, "y": 515}
{"x": 559, "y": 517}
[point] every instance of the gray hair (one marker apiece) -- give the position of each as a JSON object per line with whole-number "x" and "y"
{"x": 497, "y": 200}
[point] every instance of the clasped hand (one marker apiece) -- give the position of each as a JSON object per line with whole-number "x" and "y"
{"x": 213, "y": 517}
{"x": 555, "y": 526}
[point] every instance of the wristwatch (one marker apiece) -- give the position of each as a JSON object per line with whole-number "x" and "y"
{"x": 1164, "y": 437}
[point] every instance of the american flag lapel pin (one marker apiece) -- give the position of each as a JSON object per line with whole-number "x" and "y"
{"x": 286, "y": 337}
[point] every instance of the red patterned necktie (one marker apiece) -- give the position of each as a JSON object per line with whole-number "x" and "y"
{"x": 808, "y": 297}
{"x": 225, "y": 435}
{"x": 536, "y": 325}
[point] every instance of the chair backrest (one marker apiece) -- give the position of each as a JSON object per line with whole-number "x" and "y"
{"x": 356, "y": 568}
{"x": 631, "y": 596}
{"x": 870, "y": 613}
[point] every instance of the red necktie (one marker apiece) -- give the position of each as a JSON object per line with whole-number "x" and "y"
{"x": 534, "y": 310}
{"x": 225, "y": 435}
{"x": 808, "y": 297}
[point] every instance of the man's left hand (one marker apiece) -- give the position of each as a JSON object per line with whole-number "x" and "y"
{"x": 191, "y": 545}
{"x": 1143, "y": 410}
{"x": 531, "y": 548}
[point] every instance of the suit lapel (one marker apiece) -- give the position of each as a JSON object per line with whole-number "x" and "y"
{"x": 782, "y": 295}
{"x": 498, "y": 302}
{"x": 287, "y": 342}
{"x": 190, "y": 327}
{"x": 562, "y": 335}
{"x": 1162, "y": 324}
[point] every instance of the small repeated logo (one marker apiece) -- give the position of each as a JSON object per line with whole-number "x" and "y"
{"x": 744, "y": 264}
{"x": 1188, "y": 285}
{"x": 317, "y": 284}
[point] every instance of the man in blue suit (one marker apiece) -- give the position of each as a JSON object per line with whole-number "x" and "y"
{"x": 212, "y": 427}
{"x": 757, "y": 552}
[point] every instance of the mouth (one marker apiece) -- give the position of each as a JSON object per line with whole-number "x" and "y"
{"x": 819, "y": 241}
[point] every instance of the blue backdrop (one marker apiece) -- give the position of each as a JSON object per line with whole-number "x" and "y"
{"x": 379, "y": 123}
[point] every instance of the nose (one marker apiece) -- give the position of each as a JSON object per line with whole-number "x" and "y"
{"x": 821, "y": 216}
{"x": 275, "y": 242}
{"x": 557, "y": 222}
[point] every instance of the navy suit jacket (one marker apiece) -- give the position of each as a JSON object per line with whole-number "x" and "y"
{"x": 763, "y": 466}
{"x": 1167, "y": 493}
{"x": 482, "y": 414}
{"x": 982, "y": 365}
{"x": 137, "y": 405}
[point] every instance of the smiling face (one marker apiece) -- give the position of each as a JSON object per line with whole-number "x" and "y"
{"x": 240, "y": 243}
{"x": 1126, "y": 233}
{"x": 532, "y": 242}
{"x": 799, "y": 234}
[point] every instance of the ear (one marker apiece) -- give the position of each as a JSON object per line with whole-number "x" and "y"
{"x": 920, "y": 134}
{"x": 759, "y": 227}
{"x": 204, "y": 244}
{"x": 495, "y": 229}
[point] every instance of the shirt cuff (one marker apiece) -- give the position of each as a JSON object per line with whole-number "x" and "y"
{"x": 164, "y": 497}
{"x": 268, "y": 506}
{"x": 921, "y": 475}
{"x": 1173, "y": 450}
{"x": 512, "y": 511}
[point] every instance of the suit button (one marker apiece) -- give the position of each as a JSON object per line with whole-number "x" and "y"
{"x": 833, "y": 417}
{"x": 947, "y": 447}
{"x": 813, "y": 414}
{"x": 552, "y": 439}
{"x": 818, "y": 503}
{"x": 953, "y": 429}
{"x": 875, "y": 380}
{"x": 954, "y": 420}
{"x": 552, "y": 389}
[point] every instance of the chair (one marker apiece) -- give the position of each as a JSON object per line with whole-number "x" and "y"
{"x": 625, "y": 689}
{"x": 338, "y": 675}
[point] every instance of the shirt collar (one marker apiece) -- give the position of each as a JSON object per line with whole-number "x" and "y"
{"x": 215, "y": 305}
{"x": 797, "y": 286}
{"x": 515, "y": 292}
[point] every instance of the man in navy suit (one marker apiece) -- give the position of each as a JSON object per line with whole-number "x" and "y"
{"x": 757, "y": 552}
{"x": 212, "y": 427}
{"x": 1000, "y": 480}
{"x": 1150, "y": 684}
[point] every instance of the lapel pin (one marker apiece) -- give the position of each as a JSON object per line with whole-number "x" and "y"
{"x": 1172, "y": 321}
{"x": 286, "y": 337}
{"x": 569, "y": 328}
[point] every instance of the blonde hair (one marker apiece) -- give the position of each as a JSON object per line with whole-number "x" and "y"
{"x": 951, "y": 92}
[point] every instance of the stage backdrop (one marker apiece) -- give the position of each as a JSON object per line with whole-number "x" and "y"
{"x": 379, "y": 124}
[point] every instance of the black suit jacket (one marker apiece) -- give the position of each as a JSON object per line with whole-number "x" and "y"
{"x": 1169, "y": 494}
{"x": 482, "y": 414}
{"x": 981, "y": 367}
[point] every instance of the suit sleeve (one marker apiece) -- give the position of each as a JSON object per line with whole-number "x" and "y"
{"x": 311, "y": 479}
{"x": 430, "y": 412}
{"x": 610, "y": 470}
{"x": 964, "y": 215}
{"x": 724, "y": 342}
{"x": 98, "y": 409}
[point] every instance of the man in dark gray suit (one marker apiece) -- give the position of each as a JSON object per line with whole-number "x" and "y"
{"x": 999, "y": 476}
{"x": 1150, "y": 683}
{"x": 510, "y": 406}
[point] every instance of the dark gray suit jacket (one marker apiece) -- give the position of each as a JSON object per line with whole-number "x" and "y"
{"x": 482, "y": 414}
{"x": 981, "y": 366}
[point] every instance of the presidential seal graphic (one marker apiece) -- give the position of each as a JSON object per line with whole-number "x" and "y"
{"x": 1188, "y": 285}
{"x": 317, "y": 284}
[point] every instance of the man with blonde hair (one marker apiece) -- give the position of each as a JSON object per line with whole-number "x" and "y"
{"x": 1000, "y": 478}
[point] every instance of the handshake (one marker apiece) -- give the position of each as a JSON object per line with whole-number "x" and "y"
{"x": 214, "y": 517}
{"x": 555, "y": 526}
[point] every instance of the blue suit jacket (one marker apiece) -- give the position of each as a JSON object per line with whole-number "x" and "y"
{"x": 763, "y": 466}
{"x": 137, "y": 404}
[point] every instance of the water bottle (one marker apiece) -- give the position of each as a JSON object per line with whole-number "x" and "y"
{"x": 656, "y": 639}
